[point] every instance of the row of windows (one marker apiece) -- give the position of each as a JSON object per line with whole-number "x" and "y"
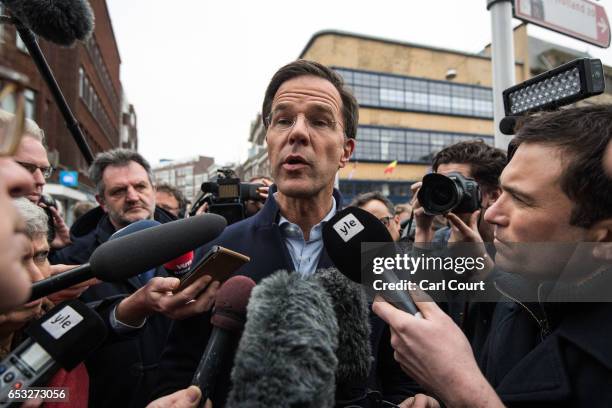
{"x": 91, "y": 99}
{"x": 396, "y": 191}
{"x": 405, "y": 145}
{"x": 96, "y": 56}
{"x": 416, "y": 94}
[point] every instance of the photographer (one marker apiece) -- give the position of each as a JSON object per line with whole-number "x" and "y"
{"x": 473, "y": 160}
{"x": 555, "y": 191}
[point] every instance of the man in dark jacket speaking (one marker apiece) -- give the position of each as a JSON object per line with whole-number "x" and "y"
{"x": 311, "y": 122}
{"x": 549, "y": 343}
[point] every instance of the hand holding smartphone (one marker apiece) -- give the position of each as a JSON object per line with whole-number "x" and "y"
{"x": 218, "y": 262}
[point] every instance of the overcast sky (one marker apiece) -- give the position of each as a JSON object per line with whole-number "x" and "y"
{"x": 196, "y": 70}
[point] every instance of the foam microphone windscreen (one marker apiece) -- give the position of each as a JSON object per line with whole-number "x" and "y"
{"x": 507, "y": 125}
{"x": 343, "y": 235}
{"x": 352, "y": 313}
{"x": 286, "y": 356}
{"x": 59, "y": 21}
{"x": 231, "y": 303}
{"x": 69, "y": 333}
{"x": 143, "y": 250}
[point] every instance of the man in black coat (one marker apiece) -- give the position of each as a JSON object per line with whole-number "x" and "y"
{"x": 311, "y": 122}
{"x": 548, "y": 343}
{"x": 138, "y": 310}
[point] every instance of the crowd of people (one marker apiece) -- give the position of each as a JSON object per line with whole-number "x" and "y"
{"x": 554, "y": 185}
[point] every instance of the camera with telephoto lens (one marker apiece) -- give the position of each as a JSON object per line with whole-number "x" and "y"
{"x": 227, "y": 196}
{"x": 454, "y": 192}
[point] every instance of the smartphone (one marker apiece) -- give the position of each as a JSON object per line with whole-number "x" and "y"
{"x": 218, "y": 262}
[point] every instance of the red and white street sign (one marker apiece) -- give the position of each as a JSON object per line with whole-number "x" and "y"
{"x": 580, "y": 19}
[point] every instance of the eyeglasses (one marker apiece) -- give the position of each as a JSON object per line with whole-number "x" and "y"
{"x": 12, "y": 98}
{"x": 386, "y": 220}
{"x": 46, "y": 171}
{"x": 281, "y": 122}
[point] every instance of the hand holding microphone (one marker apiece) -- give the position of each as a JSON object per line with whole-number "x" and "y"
{"x": 72, "y": 292}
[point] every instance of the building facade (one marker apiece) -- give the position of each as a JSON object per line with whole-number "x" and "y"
{"x": 186, "y": 175}
{"x": 414, "y": 100}
{"x": 89, "y": 76}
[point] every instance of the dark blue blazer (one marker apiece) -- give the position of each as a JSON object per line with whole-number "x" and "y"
{"x": 259, "y": 237}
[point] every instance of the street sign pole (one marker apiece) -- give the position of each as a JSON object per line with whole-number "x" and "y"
{"x": 502, "y": 55}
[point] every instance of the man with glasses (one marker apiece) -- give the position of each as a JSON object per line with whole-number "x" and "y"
{"x": 31, "y": 154}
{"x": 311, "y": 123}
{"x": 379, "y": 206}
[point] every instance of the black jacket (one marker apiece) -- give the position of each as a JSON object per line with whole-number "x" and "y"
{"x": 260, "y": 238}
{"x": 124, "y": 369}
{"x": 547, "y": 354}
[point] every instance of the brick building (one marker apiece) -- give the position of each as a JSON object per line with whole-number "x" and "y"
{"x": 89, "y": 76}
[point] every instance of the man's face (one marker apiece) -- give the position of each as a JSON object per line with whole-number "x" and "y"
{"x": 380, "y": 211}
{"x": 128, "y": 194}
{"x": 488, "y": 197}
{"x": 14, "y": 279}
{"x": 532, "y": 208}
{"x": 304, "y": 159}
{"x": 35, "y": 258}
{"x": 167, "y": 202}
{"x": 32, "y": 152}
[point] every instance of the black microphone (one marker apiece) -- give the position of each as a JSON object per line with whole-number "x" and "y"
{"x": 62, "y": 338}
{"x": 343, "y": 235}
{"x": 59, "y": 21}
{"x": 124, "y": 257}
{"x": 287, "y": 354}
{"x": 355, "y": 351}
{"x": 228, "y": 321}
{"x": 507, "y": 125}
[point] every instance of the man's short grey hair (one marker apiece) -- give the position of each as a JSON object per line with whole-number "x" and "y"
{"x": 116, "y": 158}
{"x": 363, "y": 199}
{"x": 36, "y": 220}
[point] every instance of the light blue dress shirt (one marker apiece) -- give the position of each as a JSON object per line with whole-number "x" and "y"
{"x": 305, "y": 254}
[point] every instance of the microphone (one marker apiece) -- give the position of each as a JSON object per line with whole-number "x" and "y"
{"x": 355, "y": 354}
{"x": 138, "y": 252}
{"x": 228, "y": 321}
{"x": 59, "y": 21}
{"x": 62, "y": 338}
{"x": 343, "y": 235}
{"x": 134, "y": 227}
{"x": 287, "y": 354}
{"x": 180, "y": 266}
{"x": 507, "y": 124}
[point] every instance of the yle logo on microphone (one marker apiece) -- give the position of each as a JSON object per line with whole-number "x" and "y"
{"x": 348, "y": 227}
{"x": 61, "y": 322}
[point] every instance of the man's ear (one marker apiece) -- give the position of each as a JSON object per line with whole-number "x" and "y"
{"x": 100, "y": 201}
{"x": 347, "y": 151}
{"x": 601, "y": 231}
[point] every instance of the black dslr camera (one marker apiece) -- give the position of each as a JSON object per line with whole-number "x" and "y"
{"x": 226, "y": 196}
{"x": 454, "y": 192}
